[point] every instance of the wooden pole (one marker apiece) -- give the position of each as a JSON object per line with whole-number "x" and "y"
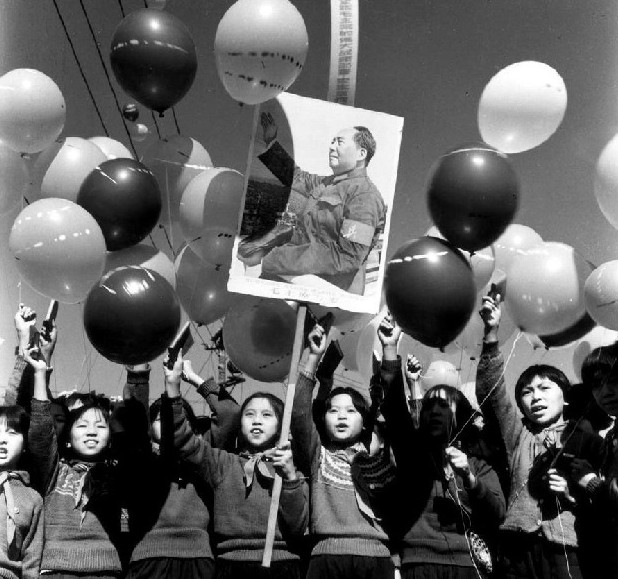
{"x": 297, "y": 351}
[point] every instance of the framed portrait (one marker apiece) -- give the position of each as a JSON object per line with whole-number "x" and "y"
{"x": 319, "y": 191}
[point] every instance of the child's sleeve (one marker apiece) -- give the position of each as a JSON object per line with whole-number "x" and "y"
{"x": 210, "y": 463}
{"x": 32, "y": 548}
{"x": 43, "y": 446}
{"x": 305, "y": 438}
{"x": 225, "y": 414}
{"x": 486, "y": 498}
{"x": 294, "y": 508}
{"x": 490, "y": 386}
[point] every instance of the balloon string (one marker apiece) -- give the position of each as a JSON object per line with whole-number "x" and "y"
{"x": 480, "y": 403}
{"x": 109, "y": 80}
{"x": 154, "y": 120}
{"x": 176, "y": 120}
{"x": 81, "y": 70}
{"x": 121, "y": 8}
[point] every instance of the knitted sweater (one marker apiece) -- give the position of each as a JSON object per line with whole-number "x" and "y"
{"x": 552, "y": 519}
{"x": 240, "y": 514}
{"x": 22, "y": 558}
{"x": 434, "y": 512}
{"x": 346, "y": 487}
{"x": 79, "y": 538}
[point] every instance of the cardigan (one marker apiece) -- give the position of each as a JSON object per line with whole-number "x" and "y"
{"x": 547, "y": 516}
{"x": 22, "y": 559}
{"x": 240, "y": 515}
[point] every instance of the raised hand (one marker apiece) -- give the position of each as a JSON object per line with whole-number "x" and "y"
{"x": 25, "y": 319}
{"x": 490, "y": 314}
{"x": 413, "y": 369}
{"x": 317, "y": 340}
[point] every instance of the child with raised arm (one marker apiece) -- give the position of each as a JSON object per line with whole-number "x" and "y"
{"x": 349, "y": 487}
{"x": 241, "y": 485}
{"x": 169, "y": 503}
{"x": 82, "y": 503}
{"x": 539, "y": 533}
{"x": 448, "y": 492}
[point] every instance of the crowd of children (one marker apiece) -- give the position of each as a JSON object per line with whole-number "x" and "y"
{"x": 393, "y": 484}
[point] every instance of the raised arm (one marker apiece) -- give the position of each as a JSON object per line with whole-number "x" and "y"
{"x": 490, "y": 383}
{"x": 42, "y": 441}
{"x": 225, "y": 411}
{"x": 305, "y": 437}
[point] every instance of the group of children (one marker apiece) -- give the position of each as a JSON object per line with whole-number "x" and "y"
{"x": 393, "y": 485}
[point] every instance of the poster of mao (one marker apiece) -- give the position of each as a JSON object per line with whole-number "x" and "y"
{"x": 315, "y": 219}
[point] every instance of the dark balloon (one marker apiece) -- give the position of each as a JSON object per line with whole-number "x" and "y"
{"x": 578, "y": 330}
{"x": 153, "y": 58}
{"x": 124, "y": 198}
{"x": 430, "y": 290}
{"x": 130, "y": 112}
{"x": 132, "y": 315}
{"x": 473, "y": 196}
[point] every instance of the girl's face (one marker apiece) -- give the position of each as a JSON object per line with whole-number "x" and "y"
{"x": 437, "y": 418}
{"x": 90, "y": 434}
{"x": 542, "y": 401}
{"x": 259, "y": 424}
{"x": 343, "y": 422}
{"x": 11, "y": 446}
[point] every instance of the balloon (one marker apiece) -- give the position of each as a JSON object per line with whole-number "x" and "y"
{"x": 546, "y": 288}
{"x": 130, "y": 112}
{"x": 601, "y": 295}
{"x": 482, "y": 262}
{"x": 597, "y": 337}
{"x": 260, "y": 49}
{"x": 516, "y": 240}
{"x": 139, "y": 132}
{"x": 153, "y": 58}
{"x": 440, "y": 372}
{"x": 258, "y": 335}
{"x": 13, "y": 179}
{"x": 606, "y": 181}
{"x": 142, "y": 255}
{"x": 201, "y": 288}
{"x": 522, "y": 106}
{"x": 209, "y": 213}
{"x": 175, "y": 161}
{"x": 59, "y": 248}
{"x": 62, "y": 167}
{"x": 132, "y": 315}
{"x": 473, "y": 195}
{"x": 111, "y": 148}
{"x": 430, "y": 290}
{"x": 123, "y": 196}
{"x": 571, "y": 334}
{"x": 32, "y": 110}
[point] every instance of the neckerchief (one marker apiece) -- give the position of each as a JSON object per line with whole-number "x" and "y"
{"x": 11, "y": 509}
{"x": 257, "y": 461}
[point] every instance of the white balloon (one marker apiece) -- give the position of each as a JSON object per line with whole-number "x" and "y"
{"x": 522, "y": 106}
{"x": 111, "y": 148}
{"x": 606, "y": 181}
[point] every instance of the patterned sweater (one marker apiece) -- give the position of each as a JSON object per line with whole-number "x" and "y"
{"x": 348, "y": 488}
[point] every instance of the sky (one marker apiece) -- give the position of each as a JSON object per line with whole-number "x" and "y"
{"x": 426, "y": 61}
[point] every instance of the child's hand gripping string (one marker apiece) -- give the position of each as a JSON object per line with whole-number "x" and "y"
{"x": 25, "y": 319}
{"x": 173, "y": 375}
{"x": 459, "y": 463}
{"x": 559, "y": 485}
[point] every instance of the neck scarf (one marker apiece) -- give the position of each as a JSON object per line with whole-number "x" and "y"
{"x": 257, "y": 461}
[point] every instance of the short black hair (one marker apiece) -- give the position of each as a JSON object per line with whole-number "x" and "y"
{"x": 542, "y": 371}
{"x": 365, "y": 140}
{"x": 358, "y": 400}
{"x": 600, "y": 365}
{"x": 16, "y": 418}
